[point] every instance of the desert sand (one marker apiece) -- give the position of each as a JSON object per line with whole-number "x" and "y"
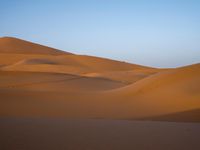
{"x": 93, "y": 102}
{"x": 51, "y": 134}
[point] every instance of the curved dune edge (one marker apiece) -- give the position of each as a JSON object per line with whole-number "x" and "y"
{"x": 185, "y": 116}
{"x": 39, "y": 81}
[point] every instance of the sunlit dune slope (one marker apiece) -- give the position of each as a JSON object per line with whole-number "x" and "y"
{"x": 34, "y": 81}
{"x": 88, "y": 63}
{"x": 18, "y": 46}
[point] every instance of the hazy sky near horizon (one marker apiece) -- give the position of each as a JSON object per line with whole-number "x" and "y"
{"x": 159, "y": 33}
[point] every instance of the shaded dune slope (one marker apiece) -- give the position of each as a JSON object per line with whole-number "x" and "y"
{"x": 34, "y": 81}
{"x": 185, "y": 116}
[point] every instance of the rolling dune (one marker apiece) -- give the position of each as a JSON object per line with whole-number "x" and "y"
{"x": 173, "y": 91}
{"x": 102, "y": 88}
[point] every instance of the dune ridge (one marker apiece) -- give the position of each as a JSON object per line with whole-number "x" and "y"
{"x": 19, "y": 46}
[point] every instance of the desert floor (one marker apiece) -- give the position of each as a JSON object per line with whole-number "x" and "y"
{"x": 94, "y": 134}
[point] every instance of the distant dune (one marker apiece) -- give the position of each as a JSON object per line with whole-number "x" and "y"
{"x": 63, "y": 84}
{"x": 20, "y": 55}
{"x": 18, "y": 46}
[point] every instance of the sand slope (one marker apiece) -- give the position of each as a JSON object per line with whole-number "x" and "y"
{"x": 129, "y": 76}
{"x": 76, "y": 64}
{"x": 18, "y": 46}
{"x": 166, "y": 92}
{"x": 36, "y": 81}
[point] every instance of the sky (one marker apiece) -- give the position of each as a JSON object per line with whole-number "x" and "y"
{"x": 158, "y": 33}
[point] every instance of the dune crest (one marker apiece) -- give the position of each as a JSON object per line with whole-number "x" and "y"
{"x": 18, "y": 46}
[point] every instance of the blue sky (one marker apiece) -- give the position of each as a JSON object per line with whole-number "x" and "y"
{"x": 159, "y": 33}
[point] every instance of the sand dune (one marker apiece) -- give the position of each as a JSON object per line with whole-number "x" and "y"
{"x": 166, "y": 92}
{"x": 78, "y": 86}
{"x": 20, "y": 55}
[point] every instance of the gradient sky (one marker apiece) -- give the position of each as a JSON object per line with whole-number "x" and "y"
{"x": 159, "y": 33}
